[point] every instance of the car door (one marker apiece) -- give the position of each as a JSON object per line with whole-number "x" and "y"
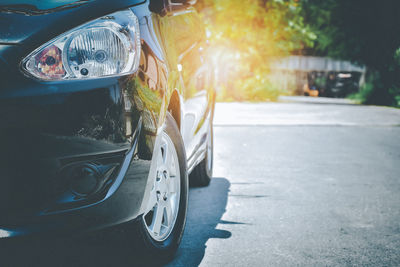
{"x": 183, "y": 35}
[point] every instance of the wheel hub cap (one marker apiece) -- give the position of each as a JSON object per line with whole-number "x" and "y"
{"x": 163, "y": 205}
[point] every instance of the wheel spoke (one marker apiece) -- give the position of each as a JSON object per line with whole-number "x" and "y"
{"x": 157, "y": 220}
{"x": 167, "y": 157}
{"x": 152, "y": 200}
{"x": 160, "y": 158}
{"x": 172, "y": 168}
{"x": 172, "y": 184}
{"x": 168, "y": 213}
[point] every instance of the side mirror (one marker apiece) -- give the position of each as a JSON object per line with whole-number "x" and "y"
{"x": 167, "y": 7}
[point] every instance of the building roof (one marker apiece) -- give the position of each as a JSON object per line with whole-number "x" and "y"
{"x": 309, "y": 63}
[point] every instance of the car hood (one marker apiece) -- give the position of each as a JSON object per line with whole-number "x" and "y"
{"x": 37, "y": 7}
{"x": 38, "y": 21}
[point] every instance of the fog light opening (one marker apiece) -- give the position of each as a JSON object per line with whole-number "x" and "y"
{"x": 85, "y": 180}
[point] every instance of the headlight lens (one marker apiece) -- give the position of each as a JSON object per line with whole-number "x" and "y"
{"x": 108, "y": 46}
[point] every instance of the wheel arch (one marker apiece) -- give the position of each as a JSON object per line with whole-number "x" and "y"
{"x": 174, "y": 107}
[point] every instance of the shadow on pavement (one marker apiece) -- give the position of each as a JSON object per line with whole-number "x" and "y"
{"x": 113, "y": 247}
{"x": 206, "y": 207}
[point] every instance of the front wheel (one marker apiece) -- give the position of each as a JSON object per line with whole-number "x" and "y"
{"x": 161, "y": 227}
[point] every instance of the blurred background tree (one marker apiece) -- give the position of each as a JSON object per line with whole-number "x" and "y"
{"x": 246, "y": 36}
{"x": 365, "y": 32}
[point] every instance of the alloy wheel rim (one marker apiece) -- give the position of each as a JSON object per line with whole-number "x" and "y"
{"x": 163, "y": 205}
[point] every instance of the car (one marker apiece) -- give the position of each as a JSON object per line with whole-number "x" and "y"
{"x": 344, "y": 84}
{"x": 106, "y": 111}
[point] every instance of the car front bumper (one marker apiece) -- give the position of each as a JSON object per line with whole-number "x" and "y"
{"x": 56, "y": 146}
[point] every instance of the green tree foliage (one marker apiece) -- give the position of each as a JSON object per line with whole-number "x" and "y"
{"x": 246, "y": 36}
{"x": 365, "y": 32}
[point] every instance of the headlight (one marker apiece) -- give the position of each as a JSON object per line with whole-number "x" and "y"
{"x": 107, "y": 46}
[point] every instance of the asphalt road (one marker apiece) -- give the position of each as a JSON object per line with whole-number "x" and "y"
{"x": 304, "y": 182}
{"x": 307, "y": 182}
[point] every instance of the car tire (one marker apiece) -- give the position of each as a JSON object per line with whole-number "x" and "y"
{"x": 202, "y": 173}
{"x": 160, "y": 238}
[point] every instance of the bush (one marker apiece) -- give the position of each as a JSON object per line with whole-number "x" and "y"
{"x": 375, "y": 92}
{"x": 365, "y": 93}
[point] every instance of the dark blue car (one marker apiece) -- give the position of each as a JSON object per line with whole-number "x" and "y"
{"x": 106, "y": 112}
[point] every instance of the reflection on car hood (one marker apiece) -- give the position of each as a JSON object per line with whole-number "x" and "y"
{"x": 37, "y": 7}
{"x": 38, "y": 21}
{"x": 39, "y": 4}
